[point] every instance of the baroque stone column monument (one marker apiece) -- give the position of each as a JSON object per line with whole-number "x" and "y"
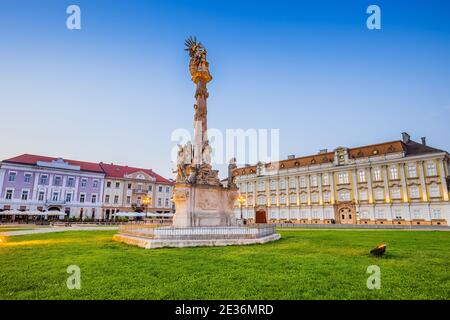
{"x": 200, "y": 199}
{"x": 204, "y": 208}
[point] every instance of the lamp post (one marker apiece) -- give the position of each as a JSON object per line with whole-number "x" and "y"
{"x": 241, "y": 201}
{"x": 146, "y": 201}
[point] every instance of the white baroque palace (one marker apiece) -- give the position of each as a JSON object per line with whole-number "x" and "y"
{"x": 400, "y": 182}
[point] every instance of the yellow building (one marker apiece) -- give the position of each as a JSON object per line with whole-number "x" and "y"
{"x": 398, "y": 182}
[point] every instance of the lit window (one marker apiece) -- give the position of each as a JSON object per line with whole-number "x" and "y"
{"x": 261, "y": 200}
{"x": 379, "y": 194}
{"x": 315, "y": 214}
{"x": 434, "y": 191}
{"x": 436, "y": 214}
{"x": 377, "y": 174}
{"x": 342, "y": 177}
{"x": 261, "y": 186}
{"x": 325, "y": 179}
{"x": 431, "y": 169}
{"x": 394, "y": 173}
{"x": 363, "y": 195}
{"x": 412, "y": 171}
{"x": 344, "y": 195}
{"x": 364, "y": 214}
{"x": 362, "y": 176}
{"x": 395, "y": 193}
{"x": 414, "y": 192}
{"x": 303, "y": 198}
{"x": 302, "y": 182}
{"x": 293, "y": 199}
{"x": 326, "y": 196}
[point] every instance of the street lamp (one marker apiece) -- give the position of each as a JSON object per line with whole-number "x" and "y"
{"x": 146, "y": 201}
{"x": 241, "y": 200}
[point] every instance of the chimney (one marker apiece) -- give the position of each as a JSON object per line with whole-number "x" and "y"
{"x": 291, "y": 156}
{"x": 322, "y": 151}
{"x": 424, "y": 141}
{"x": 406, "y": 137}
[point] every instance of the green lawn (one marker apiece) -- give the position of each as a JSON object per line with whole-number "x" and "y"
{"x": 304, "y": 264}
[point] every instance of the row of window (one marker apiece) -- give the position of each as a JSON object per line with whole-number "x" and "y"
{"x": 139, "y": 186}
{"x": 345, "y": 195}
{"x": 399, "y": 214}
{"x": 364, "y": 214}
{"x": 128, "y": 200}
{"x": 342, "y": 177}
{"x": 57, "y": 180}
{"x": 55, "y": 196}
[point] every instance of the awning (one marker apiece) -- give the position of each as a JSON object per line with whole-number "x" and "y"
{"x": 12, "y": 213}
{"x": 129, "y": 214}
{"x": 54, "y": 213}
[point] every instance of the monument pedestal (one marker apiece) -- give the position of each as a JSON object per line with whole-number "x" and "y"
{"x": 204, "y": 206}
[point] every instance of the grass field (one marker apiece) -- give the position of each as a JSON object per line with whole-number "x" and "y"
{"x": 304, "y": 264}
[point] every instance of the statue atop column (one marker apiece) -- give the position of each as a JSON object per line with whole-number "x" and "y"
{"x": 197, "y": 169}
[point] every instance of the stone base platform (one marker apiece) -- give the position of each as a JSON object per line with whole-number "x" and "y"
{"x": 169, "y": 237}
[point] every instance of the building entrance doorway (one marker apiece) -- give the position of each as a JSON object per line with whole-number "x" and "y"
{"x": 261, "y": 216}
{"x": 346, "y": 215}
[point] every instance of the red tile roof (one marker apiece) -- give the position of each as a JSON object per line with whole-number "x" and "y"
{"x": 32, "y": 159}
{"x": 111, "y": 170}
{"x": 118, "y": 171}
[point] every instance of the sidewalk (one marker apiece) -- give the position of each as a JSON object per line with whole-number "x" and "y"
{"x": 55, "y": 229}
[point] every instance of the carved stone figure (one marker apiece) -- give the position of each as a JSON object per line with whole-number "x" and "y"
{"x": 207, "y": 150}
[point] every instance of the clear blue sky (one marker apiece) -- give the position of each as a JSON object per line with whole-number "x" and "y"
{"x": 115, "y": 90}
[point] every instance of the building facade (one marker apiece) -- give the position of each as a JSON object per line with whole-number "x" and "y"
{"x": 30, "y": 182}
{"x": 400, "y": 182}
{"x": 80, "y": 189}
{"x": 129, "y": 189}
